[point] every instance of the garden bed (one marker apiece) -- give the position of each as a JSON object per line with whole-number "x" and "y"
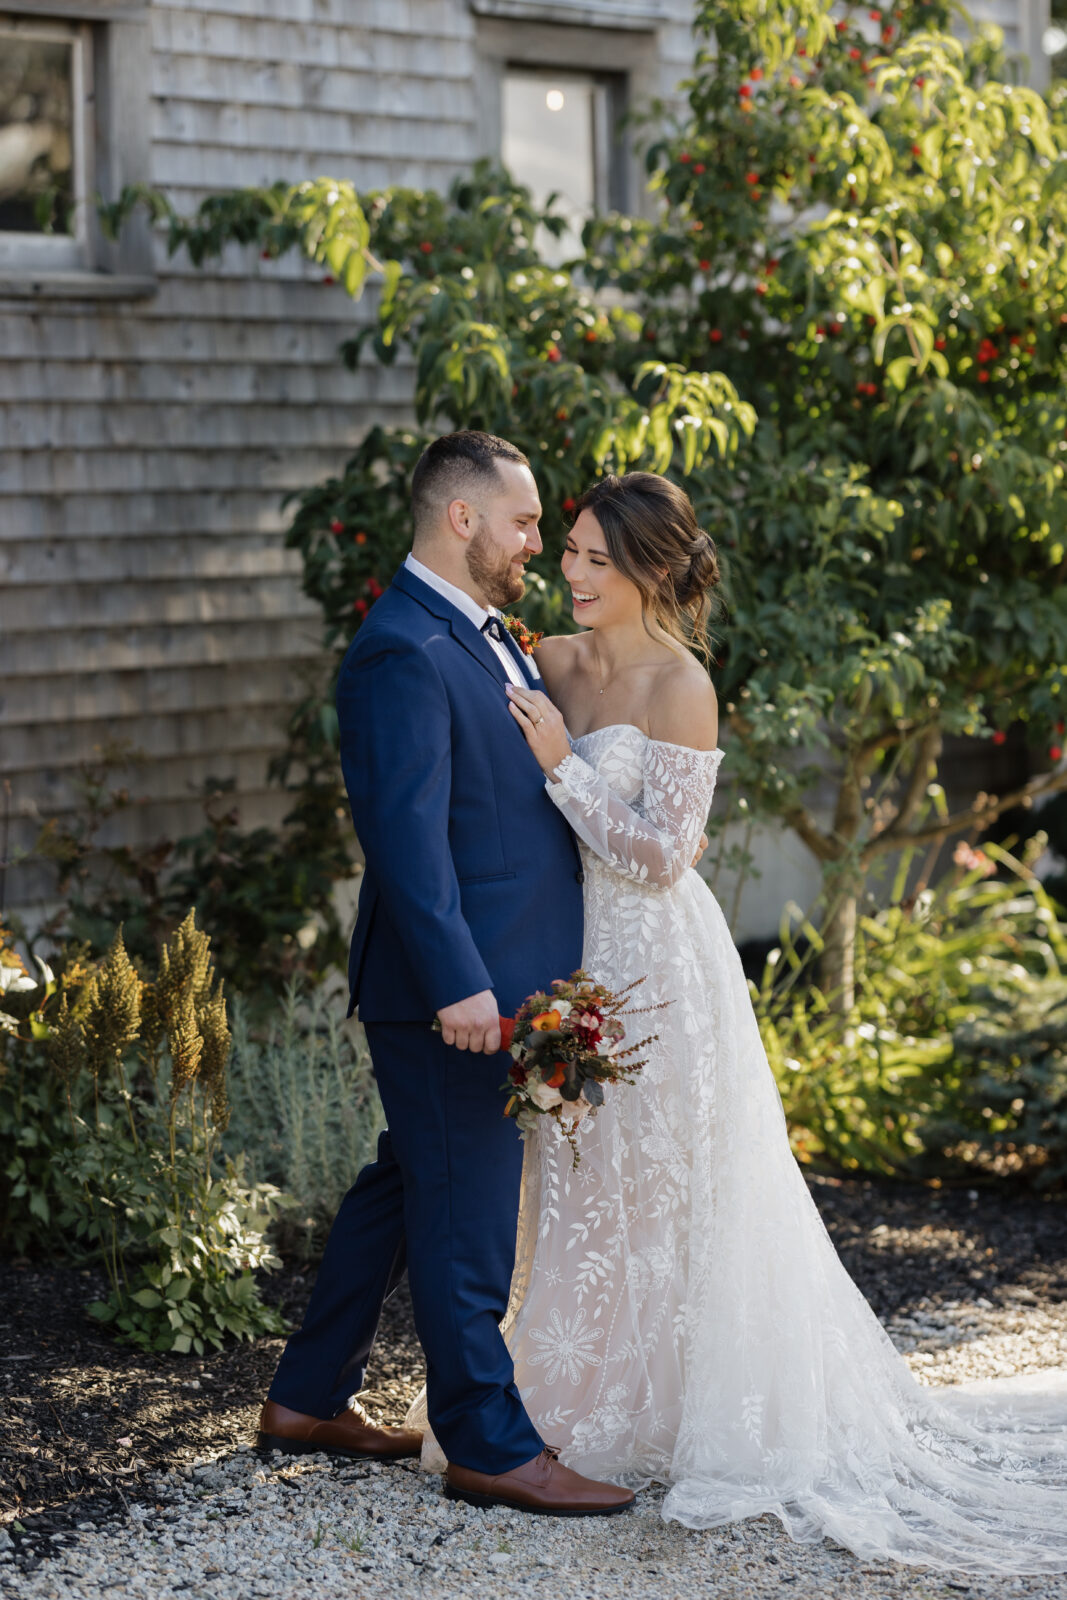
{"x": 85, "y": 1423}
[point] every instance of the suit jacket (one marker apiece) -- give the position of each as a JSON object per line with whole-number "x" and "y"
{"x": 473, "y": 878}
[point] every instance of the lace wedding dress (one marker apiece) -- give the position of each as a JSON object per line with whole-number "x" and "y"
{"x": 679, "y": 1313}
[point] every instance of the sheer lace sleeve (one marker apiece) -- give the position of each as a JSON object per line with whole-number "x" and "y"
{"x": 654, "y": 848}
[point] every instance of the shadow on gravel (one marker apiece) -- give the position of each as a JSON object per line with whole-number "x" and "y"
{"x": 85, "y": 1422}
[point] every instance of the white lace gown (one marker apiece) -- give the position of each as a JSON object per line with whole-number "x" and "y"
{"x": 679, "y": 1313}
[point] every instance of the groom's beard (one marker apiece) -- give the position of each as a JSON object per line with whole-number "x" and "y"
{"x": 492, "y": 571}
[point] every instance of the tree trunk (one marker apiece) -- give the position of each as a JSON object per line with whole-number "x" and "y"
{"x": 837, "y": 976}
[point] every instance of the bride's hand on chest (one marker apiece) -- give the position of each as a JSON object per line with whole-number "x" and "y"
{"x": 542, "y": 726}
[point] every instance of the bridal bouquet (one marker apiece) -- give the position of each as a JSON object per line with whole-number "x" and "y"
{"x": 567, "y": 1045}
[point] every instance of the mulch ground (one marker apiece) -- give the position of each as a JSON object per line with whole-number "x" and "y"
{"x": 85, "y": 1422}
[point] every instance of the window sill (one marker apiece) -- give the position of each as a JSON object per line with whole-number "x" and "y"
{"x": 31, "y": 285}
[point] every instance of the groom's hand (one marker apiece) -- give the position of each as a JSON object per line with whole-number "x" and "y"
{"x": 472, "y": 1024}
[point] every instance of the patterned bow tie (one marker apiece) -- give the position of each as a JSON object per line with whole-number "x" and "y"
{"x": 494, "y": 628}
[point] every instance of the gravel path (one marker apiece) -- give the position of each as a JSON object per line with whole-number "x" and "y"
{"x": 964, "y": 1290}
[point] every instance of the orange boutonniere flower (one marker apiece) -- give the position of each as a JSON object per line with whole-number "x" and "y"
{"x": 523, "y": 636}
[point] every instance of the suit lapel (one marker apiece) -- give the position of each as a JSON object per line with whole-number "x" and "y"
{"x": 462, "y": 628}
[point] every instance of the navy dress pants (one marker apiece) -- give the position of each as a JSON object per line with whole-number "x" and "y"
{"x": 442, "y": 1197}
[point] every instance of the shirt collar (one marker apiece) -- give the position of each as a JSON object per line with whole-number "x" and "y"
{"x": 448, "y": 591}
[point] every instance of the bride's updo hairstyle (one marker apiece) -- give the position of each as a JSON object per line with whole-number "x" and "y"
{"x": 654, "y": 539}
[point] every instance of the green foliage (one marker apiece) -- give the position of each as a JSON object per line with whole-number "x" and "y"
{"x": 864, "y": 227}
{"x": 904, "y": 1083}
{"x": 323, "y": 218}
{"x": 37, "y": 1198}
{"x": 305, "y": 1109}
{"x": 1016, "y": 1060}
{"x": 140, "y": 1070}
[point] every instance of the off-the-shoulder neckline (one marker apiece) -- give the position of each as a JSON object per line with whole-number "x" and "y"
{"x": 610, "y": 727}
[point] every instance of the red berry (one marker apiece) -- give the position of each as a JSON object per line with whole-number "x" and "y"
{"x": 685, "y": 158}
{"x": 752, "y": 177}
{"x": 360, "y": 607}
{"x": 745, "y": 91}
{"x": 999, "y": 736}
{"x": 553, "y": 353}
{"x": 1054, "y": 752}
{"x": 337, "y": 526}
{"x": 715, "y": 335}
{"x": 361, "y": 538}
{"x": 855, "y": 54}
{"x": 794, "y": 81}
{"x": 875, "y": 16}
{"x": 561, "y": 415}
{"x": 1059, "y": 727}
{"x": 801, "y": 51}
{"x": 756, "y": 74}
{"x": 327, "y": 281}
{"x": 570, "y": 503}
{"x": 939, "y": 344}
{"x": 916, "y": 151}
{"x": 590, "y": 336}
{"x": 919, "y": 82}
{"x": 264, "y": 255}
{"x": 699, "y": 168}
{"x": 704, "y": 264}
{"x": 771, "y": 267}
{"x": 983, "y": 377}
{"x": 761, "y": 288}
{"x": 426, "y": 247}
{"x": 841, "y": 26}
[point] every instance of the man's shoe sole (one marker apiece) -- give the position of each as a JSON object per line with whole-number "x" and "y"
{"x": 266, "y": 1442}
{"x": 473, "y": 1498}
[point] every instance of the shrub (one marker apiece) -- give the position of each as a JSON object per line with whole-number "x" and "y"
{"x": 141, "y": 1068}
{"x": 305, "y": 1112}
{"x": 911, "y": 1080}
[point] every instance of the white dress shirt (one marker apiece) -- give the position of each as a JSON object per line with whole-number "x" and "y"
{"x": 471, "y": 609}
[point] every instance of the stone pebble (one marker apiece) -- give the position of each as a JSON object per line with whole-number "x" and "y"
{"x": 238, "y": 1528}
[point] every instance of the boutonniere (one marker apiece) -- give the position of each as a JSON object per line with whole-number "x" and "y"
{"x": 523, "y": 636}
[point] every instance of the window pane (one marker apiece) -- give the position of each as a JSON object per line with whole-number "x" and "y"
{"x": 549, "y": 144}
{"x": 36, "y": 145}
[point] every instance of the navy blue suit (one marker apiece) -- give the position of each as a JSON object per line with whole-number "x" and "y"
{"x": 472, "y": 882}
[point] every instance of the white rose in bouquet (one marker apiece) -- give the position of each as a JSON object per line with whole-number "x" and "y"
{"x": 546, "y": 1098}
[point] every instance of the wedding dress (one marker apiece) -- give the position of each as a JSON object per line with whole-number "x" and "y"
{"x": 679, "y": 1313}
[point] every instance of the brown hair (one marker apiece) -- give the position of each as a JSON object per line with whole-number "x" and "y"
{"x": 654, "y": 539}
{"x": 452, "y": 465}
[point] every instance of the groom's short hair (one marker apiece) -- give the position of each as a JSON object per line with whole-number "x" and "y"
{"x": 454, "y": 466}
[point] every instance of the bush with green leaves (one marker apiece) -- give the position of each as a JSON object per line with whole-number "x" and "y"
{"x": 141, "y": 1067}
{"x": 304, "y": 1109}
{"x": 938, "y": 1066}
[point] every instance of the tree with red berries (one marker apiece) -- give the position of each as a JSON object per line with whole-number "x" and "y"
{"x": 875, "y": 251}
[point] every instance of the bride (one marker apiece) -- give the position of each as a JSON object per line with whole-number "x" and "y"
{"x": 679, "y": 1313}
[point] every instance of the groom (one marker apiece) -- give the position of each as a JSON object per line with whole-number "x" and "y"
{"x": 471, "y": 899}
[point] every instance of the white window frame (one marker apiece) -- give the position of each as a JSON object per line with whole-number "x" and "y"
{"x": 112, "y": 148}
{"x": 59, "y": 251}
{"x": 621, "y": 49}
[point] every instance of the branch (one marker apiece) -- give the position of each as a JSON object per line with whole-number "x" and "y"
{"x": 804, "y": 825}
{"x": 984, "y": 811}
{"x": 929, "y": 750}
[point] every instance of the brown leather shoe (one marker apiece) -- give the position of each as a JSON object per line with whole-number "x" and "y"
{"x": 543, "y": 1485}
{"x": 351, "y": 1433}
